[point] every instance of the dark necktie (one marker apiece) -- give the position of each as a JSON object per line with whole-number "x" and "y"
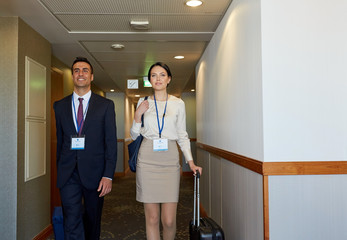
{"x": 80, "y": 119}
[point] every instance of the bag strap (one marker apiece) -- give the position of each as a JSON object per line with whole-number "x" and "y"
{"x": 143, "y": 114}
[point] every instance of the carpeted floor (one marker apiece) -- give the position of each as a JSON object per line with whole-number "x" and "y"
{"x": 123, "y": 217}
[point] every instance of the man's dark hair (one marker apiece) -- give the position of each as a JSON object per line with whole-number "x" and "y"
{"x": 82, "y": 59}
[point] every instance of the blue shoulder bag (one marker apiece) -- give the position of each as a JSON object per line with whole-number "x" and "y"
{"x": 134, "y": 147}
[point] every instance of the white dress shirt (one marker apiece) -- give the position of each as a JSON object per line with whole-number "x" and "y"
{"x": 174, "y": 123}
{"x": 76, "y": 103}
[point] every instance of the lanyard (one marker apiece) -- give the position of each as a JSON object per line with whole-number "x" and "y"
{"x": 156, "y": 109}
{"x": 78, "y": 125}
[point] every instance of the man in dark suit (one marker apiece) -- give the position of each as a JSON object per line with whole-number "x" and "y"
{"x": 86, "y": 154}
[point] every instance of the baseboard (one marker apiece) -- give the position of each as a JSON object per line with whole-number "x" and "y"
{"x": 45, "y": 233}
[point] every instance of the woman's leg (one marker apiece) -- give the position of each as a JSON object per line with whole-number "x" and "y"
{"x": 152, "y": 214}
{"x": 168, "y": 219}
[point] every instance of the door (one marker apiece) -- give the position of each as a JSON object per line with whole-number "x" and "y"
{"x": 57, "y": 93}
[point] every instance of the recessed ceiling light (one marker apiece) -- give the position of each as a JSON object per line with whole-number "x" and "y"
{"x": 193, "y": 3}
{"x": 117, "y": 46}
{"x": 139, "y": 25}
{"x": 112, "y": 90}
{"x": 137, "y": 95}
{"x": 193, "y": 90}
{"x": 179, "y": 57}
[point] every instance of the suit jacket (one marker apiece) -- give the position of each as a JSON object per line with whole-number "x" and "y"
{"x": 99, "y": 157}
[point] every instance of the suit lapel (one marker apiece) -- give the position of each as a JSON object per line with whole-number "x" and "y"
{"x": 90, "y": 111}
{"x": 68, "y": 114}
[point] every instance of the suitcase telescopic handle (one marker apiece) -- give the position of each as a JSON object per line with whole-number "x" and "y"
{"x": 196, "y": 219}
{"x": 194, "y": 209}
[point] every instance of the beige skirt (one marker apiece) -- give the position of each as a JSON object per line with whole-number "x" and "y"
{"x": 157, "y": 174}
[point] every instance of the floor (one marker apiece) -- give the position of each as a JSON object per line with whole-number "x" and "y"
{"x": 123, "y": 217}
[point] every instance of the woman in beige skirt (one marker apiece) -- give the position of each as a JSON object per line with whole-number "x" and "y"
{"x": 158, "y": 168}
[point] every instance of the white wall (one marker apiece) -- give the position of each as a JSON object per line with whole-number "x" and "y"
{"x": 216, "y": 188}
{"x": 189, "y": 99}
{"x": 229, "y": 116}
{"x": 304, "y": 51}
{"x": 304, "y": 58}
{"x": 232, "y": 196}
{"x": 229, "y": 87}
{"x": 242, "y": 202}
{"x": 271, "y": 86}
{"x": 308, "y": 207}
{"x": 190, "y": 103}
{"x": 203, "y": 160}
{"x": 129, "y": 110}
{"x": 119, "y": 105}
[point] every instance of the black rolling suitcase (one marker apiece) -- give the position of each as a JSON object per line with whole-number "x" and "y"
{"x": 204, "y": 228}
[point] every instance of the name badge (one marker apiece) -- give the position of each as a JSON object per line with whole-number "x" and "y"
{"x": 160, "y": 144}
{"x": 77, "y": 142}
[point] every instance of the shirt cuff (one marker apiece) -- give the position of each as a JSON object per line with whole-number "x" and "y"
{"x": 136, "y": 126}
{"x": 187, "y": 155}
{"x": 108, "y": 178}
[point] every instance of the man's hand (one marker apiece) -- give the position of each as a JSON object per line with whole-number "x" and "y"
{"x": 105, "y": 186}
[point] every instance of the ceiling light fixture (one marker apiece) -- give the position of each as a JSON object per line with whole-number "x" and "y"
{"x": 179, "y": 57}
{"x": 193, "y": 90}
{"x": 140, "y": 25}
{"x": 193, "y": 3}
{"x": 112, "y": 90}
{"x": 137, "y": 95}
{"x": 117, "y": 46}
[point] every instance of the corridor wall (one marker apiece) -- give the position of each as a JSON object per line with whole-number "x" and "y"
{"x": 229, "y": 117}
{"x": 271, "y": 130}
{"x": 8, "y": 126}
{"x": 189, "y": 99}
{"x": 25, "y": 209}
{"x": 129, "y": 110}
{"x": 119, "y": 104}
{"x": 33, "y": 206}
{"x": 304, "y": 83}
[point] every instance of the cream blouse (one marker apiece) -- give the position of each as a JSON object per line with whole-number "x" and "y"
{"x": 174, "y": 123}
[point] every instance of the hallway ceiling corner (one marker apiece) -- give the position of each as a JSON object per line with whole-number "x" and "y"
{"x": 89, "y": 28}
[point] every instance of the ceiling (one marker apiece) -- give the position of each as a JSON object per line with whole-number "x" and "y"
{"x": 89, "y": 28}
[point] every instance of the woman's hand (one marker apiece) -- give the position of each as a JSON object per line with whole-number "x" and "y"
{"x": 194, "y": 168}
{"x": 143, "y": 107}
